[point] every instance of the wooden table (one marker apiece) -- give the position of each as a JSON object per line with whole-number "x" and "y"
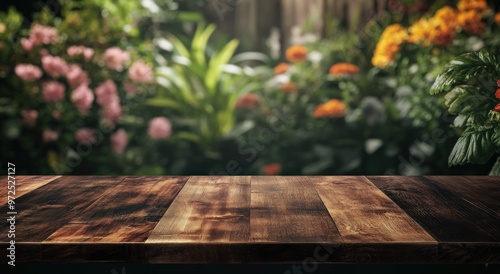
{"x": 255, "y": 219}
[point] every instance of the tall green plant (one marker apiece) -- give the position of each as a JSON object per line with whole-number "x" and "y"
{"x": 199, "y": 89}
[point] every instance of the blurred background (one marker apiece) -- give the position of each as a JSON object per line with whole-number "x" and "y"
{"x": 242, "y": 87}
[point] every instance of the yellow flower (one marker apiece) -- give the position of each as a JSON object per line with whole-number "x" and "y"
{"x": 478, "y": 5}
{"x": 439, "y": 30}
{"x": 388, "y": 45}
{"x": 471, "y": 22}
{"x": 331, "y": 109}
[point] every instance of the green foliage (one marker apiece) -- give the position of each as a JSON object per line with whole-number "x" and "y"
{"x": 197, "y": 88}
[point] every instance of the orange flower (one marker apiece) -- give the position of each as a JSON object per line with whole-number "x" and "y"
{"x": 471, "y": 22}
{"x": 331, "y": 109}
{"x": 388, "y": 45}
{"x": 281, "y": 68}
{"x": 466, "y": 5}
{"x": 248, "y": 101}
{"x": 344, "y": 69}
{"x": 497, "y": 94}
{"x": 296, "y": 53}
{"x": 439, "y": 30}
{"x": 497, "y": 108}
{"x": 272, "y": 169}
{"x": 497, "y": 18}
{"x": 289, "y": 87}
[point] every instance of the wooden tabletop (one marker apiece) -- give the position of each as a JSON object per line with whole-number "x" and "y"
{"x": 67, "y": 219}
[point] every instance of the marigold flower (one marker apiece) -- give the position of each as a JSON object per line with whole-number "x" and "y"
{"x": 388, "y": 45}
{"x": 344, "y": 69}
{"x": 439, "y": 30}
{"x": 466, "y": 5}
{"x": 331, "y": 109}
{"x": 248, "y": 101}
{"x": 281, "y": 68}
{"x": 289, "y": 87}
{"x": 497, "y": 18}
{"x": 272, "y": 169}
{"x": 296, "y": 53}
{"x": 471, "y": 22}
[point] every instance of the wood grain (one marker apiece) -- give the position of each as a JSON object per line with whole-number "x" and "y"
{"x": 208, "y": 209}
{"x": 51, "y": 206}
{"x": 364, "y": 214}
{"x": 25, "y": 184}
{"x": 125, "y": 213}
{"x": 289, "y": 210}
{"x": 446, "y": 216}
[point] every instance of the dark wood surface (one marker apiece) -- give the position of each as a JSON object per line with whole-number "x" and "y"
{"x": 255, "y": 219}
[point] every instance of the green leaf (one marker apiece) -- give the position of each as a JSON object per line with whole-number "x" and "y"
{"x": 495, "y": 171}
{"x": 188, "y": 136}
{"x": 463, "y": 68}
{"x": 472, "y": 148}
{"x": 461, "y": 101}
{"x": 163, "y": 102}
{"x": 216, "y": 63}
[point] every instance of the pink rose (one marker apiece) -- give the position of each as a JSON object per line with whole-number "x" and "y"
{"x": 80, "y": 50}
{"x": 76, "y": 76}
{"x": 54, "y": 66}
{"x": 29, "y": 117}
{"x": 115, "y": 58}
{"x": 118, "y": 141}
{"x": 141, "y": 72}
{"x": 159, "y": 128}
{"x": 50, "y": 136}
{"x": 43, "y": 35}
{"x": 27, "y": 43}
{"x": 82, "y": 97}
{"x": 85, "y": 136}
{"x": 28, "y": 72}
{"x": 112, "y": 112}
{"x": 53, "y": 91}
{"x": 107, "y": 93}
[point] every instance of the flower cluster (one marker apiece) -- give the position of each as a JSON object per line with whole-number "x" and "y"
{"x": 66, "y": 84}
{"x": 439, "y": 30}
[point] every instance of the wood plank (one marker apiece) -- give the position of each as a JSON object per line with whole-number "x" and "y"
{"x": 446, "y": 216}
{"x": 43, "y": 211}
{"x": 364, "y": 214}
{"x": 126, "y": 213}
{"x": 289, "y": 210}
{"x": 208, "y": 209}
{"x": 25, "y": 184}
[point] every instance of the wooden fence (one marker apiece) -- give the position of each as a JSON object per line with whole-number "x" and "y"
{"x": 253, "y": 20}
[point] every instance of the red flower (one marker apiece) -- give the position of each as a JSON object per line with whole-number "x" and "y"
{"x": 497, "y": 94}
{"x": 497, "y": 108}
{"x": 272, "y": 169}
{"x": 498, "y": 83}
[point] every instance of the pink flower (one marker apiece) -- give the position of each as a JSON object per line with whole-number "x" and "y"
{"x": 50, "y": 136}
{"x": 29, "y": 117}
{"x": 76, "y": 76}
{"x": 107, "y": 93}
{"x": 54, "y": 66}
{"x": 112, "y": 113}
{"x": 43, "y": 35}
{"x": 85, "y": 136}
{"x": 141, "y": 72}
{"x": 82, "y": 97}
{"x": 53, "y": 91}
{"x": 115, "y": 58}
{"x": 129, "y": 87}
{"x": 28, "y": 72}
{"x": 44, "y": 52}
{"x": 27, "y": 44}
{"x": 56, "y": 114}
{"x": 159, "y": 128}
{"x": 118, "y": 141}
{"x": 80, "y": 50}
